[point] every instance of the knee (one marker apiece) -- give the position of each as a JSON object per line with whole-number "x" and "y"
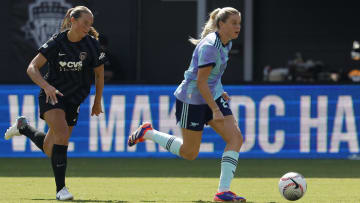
{"x": 61, "y": 138}
{"x": 236, "y": 140}
{"x": 190, "y": 157}
{"x": 47, "y": 146}
{"x": 239, "y": 139}
{"x": 47, "y": 149}
{"x": 190, "y": 154}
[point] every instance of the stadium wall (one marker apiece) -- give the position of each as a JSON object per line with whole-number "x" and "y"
{"x": 142, "y": 32}
{"x": 277, "y": 121}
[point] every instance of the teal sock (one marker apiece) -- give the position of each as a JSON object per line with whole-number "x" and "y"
{"x": 169, "y": 142}
{"x": 228, "y": 167}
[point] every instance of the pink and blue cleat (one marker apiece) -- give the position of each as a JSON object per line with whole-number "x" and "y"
{"x": 228, "y": 196}
{"x": 138, "y": 135}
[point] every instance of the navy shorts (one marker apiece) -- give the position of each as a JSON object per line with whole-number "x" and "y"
{"x": 71, "y": 110}
{"x": 194, "y": 117}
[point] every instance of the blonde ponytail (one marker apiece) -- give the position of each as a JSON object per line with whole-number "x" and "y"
{"x": 66, "y": 24}
{"x": 76, "y": 13}
{"x": 212, "y": 25}
{"x": 94, "y": 33}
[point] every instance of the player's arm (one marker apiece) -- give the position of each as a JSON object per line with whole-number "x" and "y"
{"x": 202, "y": 77}
{"x": 206, "y": 62}
{"x": 33, "y": 71}
{"x": 99, "y": 86}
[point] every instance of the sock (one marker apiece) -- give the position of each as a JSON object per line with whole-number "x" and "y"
{"x": 228, "y": 167}
{"x": 169, "y": 142}
{"x": 58, "y": 162}
{"x": 37, "y": 137}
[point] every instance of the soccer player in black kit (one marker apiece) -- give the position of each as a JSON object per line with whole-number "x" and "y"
{"x": 73, "y": 55}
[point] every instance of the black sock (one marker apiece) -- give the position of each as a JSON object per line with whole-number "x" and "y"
{"x": 37, "y": 137}
{"x": 58, "y": 162}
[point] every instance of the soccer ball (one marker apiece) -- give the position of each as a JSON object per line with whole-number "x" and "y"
{"x": 292, "y": 186}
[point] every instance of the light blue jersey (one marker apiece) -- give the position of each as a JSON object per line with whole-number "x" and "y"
{"x": 209, "y": 52}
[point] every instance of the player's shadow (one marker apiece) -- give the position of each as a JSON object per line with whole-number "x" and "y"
{"x": 119, "y": 201}
{"x": 201, "y": 201}
{"x": 200, "y": 168}
{"x": 84, "y": 200}
{"x": 198, "y": 201}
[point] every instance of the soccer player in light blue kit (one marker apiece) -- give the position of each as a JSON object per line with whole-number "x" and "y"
{"x": 201, "y": 99}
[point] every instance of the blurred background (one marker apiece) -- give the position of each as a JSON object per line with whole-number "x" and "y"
{"x": 281, "y": 41}
{"x": 293, "y": 74}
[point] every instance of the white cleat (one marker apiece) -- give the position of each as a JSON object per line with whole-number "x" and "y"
{"x": 14, "y": 129}
{"x": 64, "y": 194}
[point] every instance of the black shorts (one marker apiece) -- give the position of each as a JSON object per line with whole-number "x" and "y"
{"x": 71, "y": 110}
{"x": 194, "y": 117}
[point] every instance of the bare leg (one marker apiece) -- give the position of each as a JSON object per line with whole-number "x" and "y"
{"x": 55, "y": 144}
{"x": 228, "y": 129}
{"x": 50, "y": 140}
{"x": 191, "y": 144}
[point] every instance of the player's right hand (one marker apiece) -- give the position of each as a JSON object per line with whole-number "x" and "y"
{"x": 51, "y": 93}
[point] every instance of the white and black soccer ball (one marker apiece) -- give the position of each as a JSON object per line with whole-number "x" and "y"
{"x": 292, "y": 186}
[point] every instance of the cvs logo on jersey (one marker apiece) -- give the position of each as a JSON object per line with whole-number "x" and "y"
{"x": 70, "y": 65}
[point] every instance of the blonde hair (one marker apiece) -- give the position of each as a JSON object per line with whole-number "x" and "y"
{"x": 213, "y": 24}
{"x": 76, "y": 13}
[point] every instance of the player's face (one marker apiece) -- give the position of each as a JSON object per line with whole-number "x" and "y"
{"x": 83, "y": 24}
{"x": 232, "y": 26}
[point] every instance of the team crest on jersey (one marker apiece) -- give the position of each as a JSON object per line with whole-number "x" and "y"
{"x": 102, "y": 55}
{"x": 82, "y": 56}
{"x": 45, "y": 17}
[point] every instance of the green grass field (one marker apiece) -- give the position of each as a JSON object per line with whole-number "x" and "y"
{"x": 175, "y": 180}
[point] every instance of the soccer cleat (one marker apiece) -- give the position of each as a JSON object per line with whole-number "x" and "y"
{"x": 64, "y": 194}
{"x": 13, "y": 130}
{"x": 228, "y": 196}
{"x": 138, "y": 135}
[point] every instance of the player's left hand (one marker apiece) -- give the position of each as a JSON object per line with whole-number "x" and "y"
{"x": 96, "y": 109}
{"x": 225, "y": 96}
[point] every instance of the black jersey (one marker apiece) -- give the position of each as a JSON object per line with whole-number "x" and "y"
{"x": 71, "y": 65}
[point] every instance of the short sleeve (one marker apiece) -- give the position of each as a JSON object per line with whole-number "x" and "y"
{"x": 100, "y": 57}
{"x": 207, "y": 56}
{"x": 49, "y": 49}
